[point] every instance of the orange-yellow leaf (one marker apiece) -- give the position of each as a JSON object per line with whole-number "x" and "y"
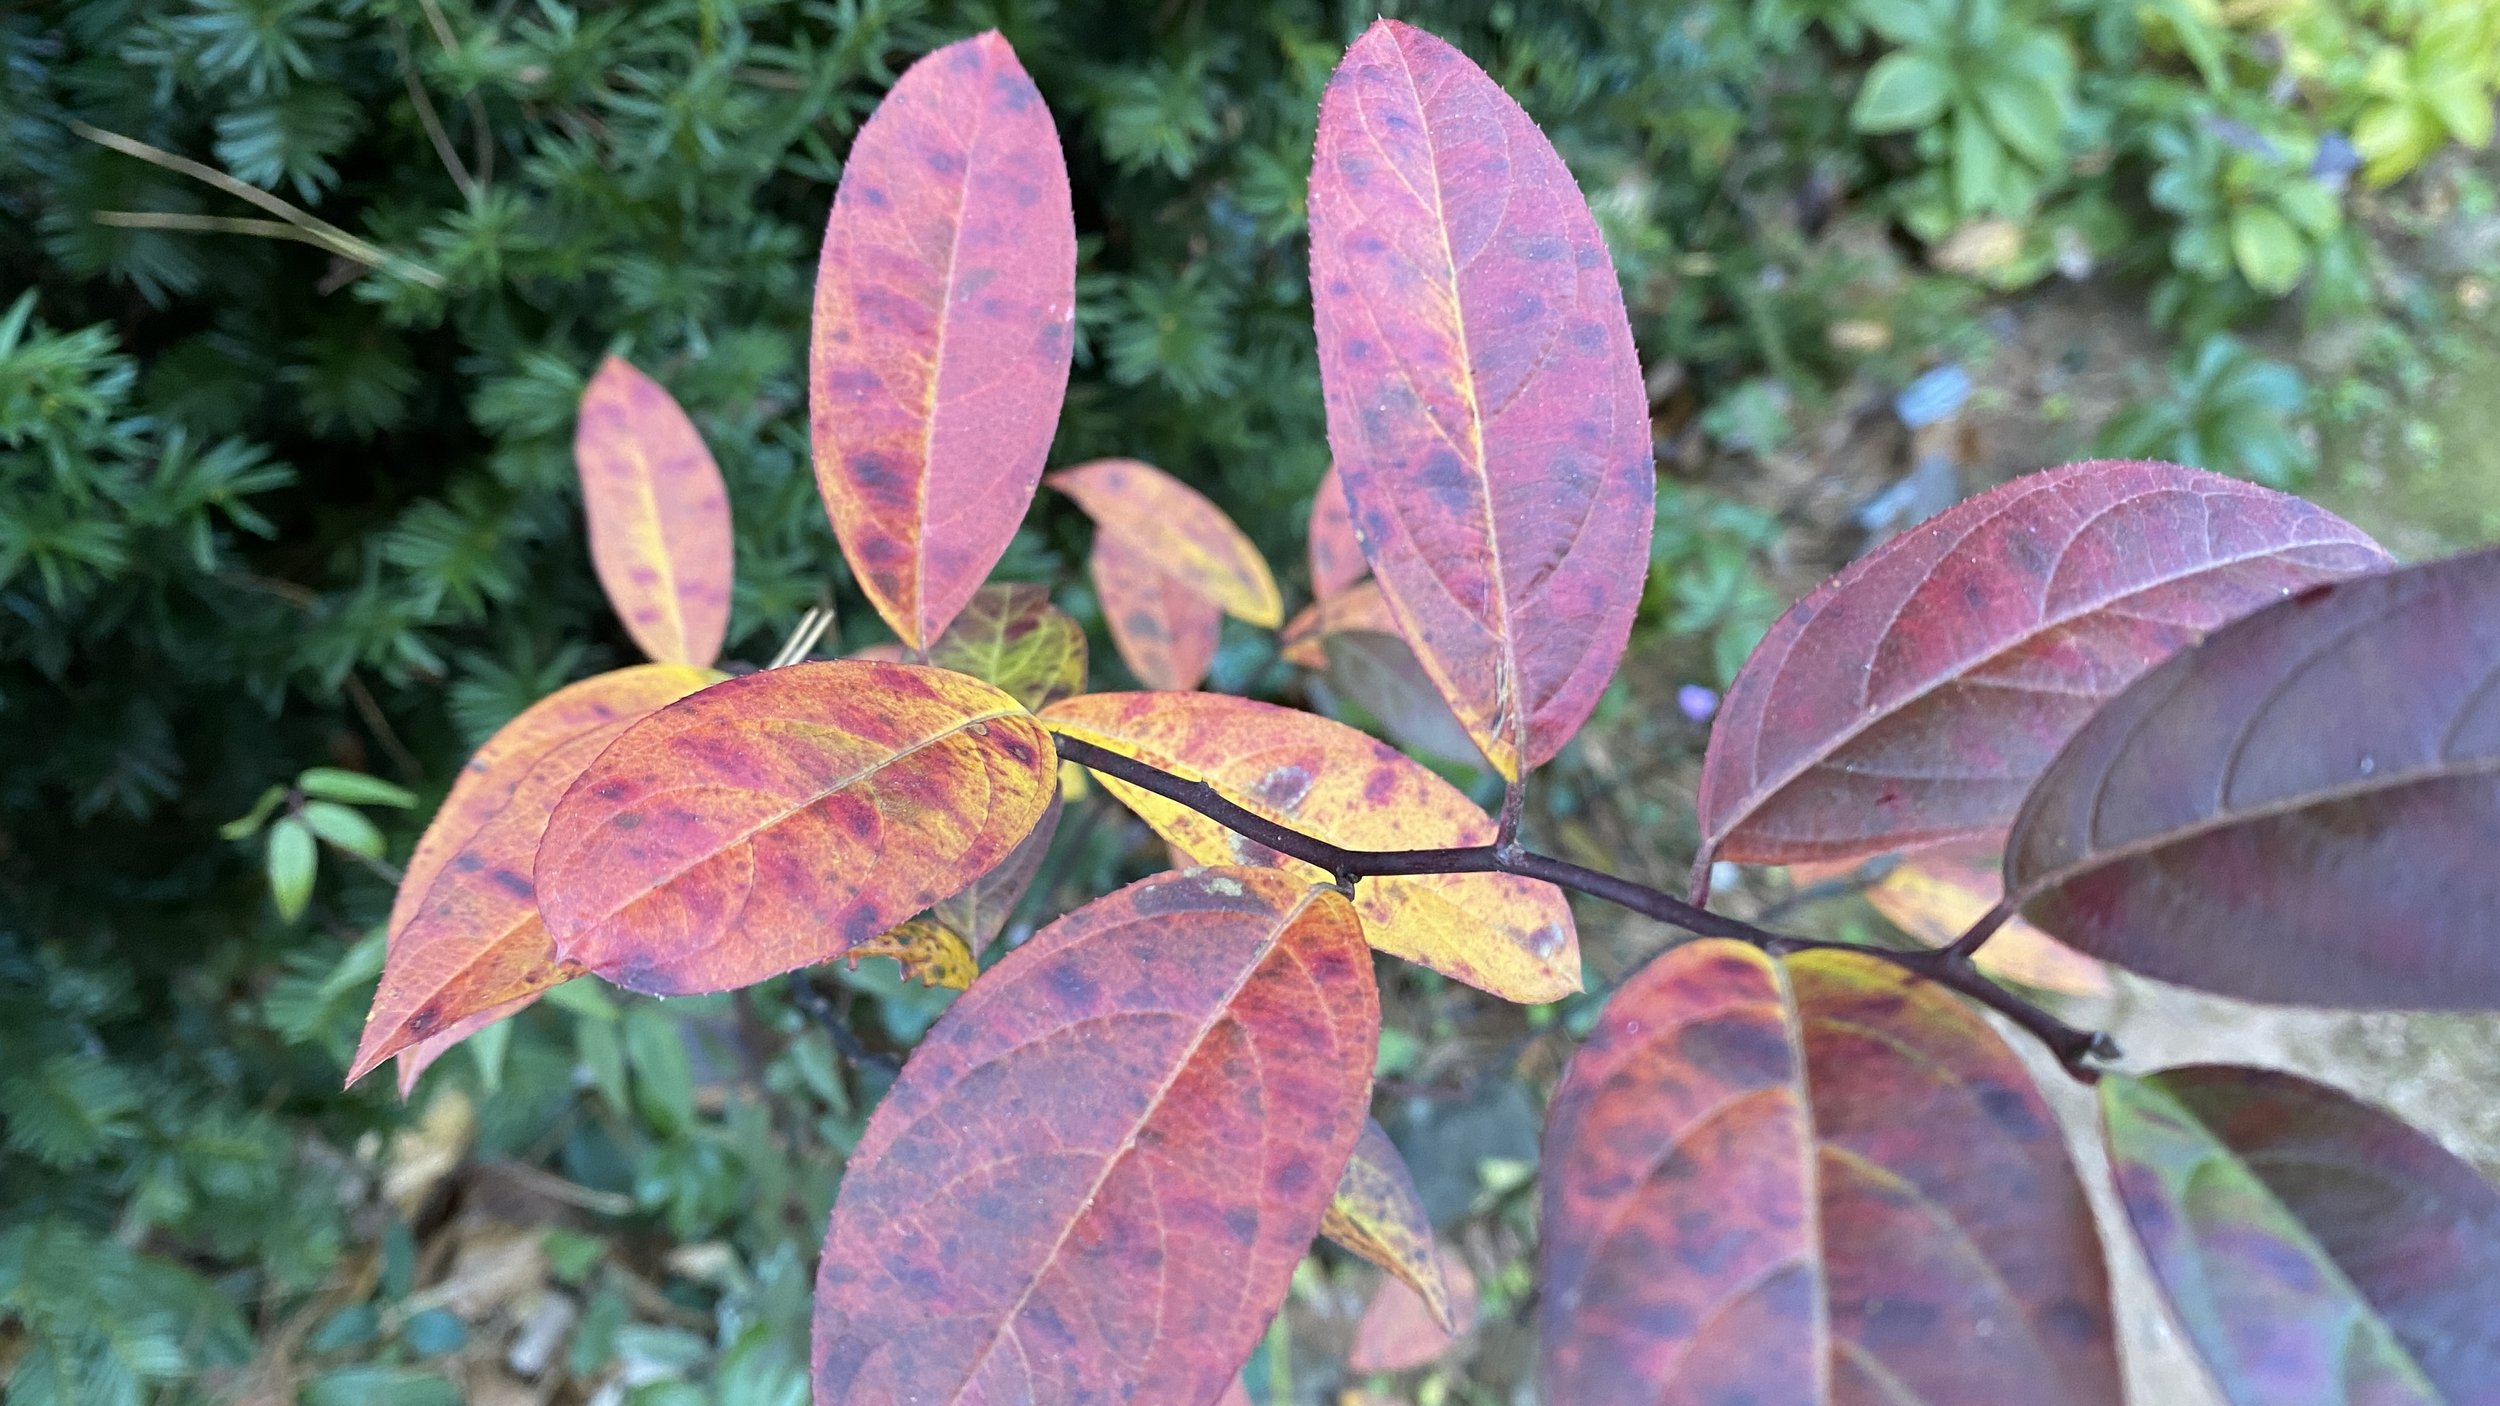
{"x": 486, "y": 783}
{"x": 476, "y": 943}
{"x": 411, "y": 1063}
{"x": 1937, "y": 894}
{"x": 1378, "y": 1215}
{"x": 1357, "y": 607}
{"x": 659, "y": 516}
{"x": 1497, "y": 932}
{"x": 1176, "y": 530}
{"x": 945, "y": 318}
{"x": 1166, "y": 632}
{"x": 927, "y": 952}
{"x": 1400, "y": 1332}
{"x": 778, "y": 820}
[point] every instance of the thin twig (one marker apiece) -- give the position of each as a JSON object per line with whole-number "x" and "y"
{"x": 481, "y": 136}
{"x": 428, "y": 118}
{"x": 1856, "y": 881}
{"x": 325, "y": 234}
{"x": 208, "y": 224}
{"x": 1949, "y": 968}
{"x": 846, "y": 1042}
{"x": 380, "y": 726}
{"x": 1971, "y": 941}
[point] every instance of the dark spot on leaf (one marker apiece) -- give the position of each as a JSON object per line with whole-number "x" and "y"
{"x": 627, "y": 820}
{"x": 1075, "y": 990}
{"x": 512, "y": 882}
{"x": 1898, "y": 1323}
{"x": 1740, "y": 1050}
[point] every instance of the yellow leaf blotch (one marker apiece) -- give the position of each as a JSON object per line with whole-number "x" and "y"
{"x": 1179, "y": 532}
{"x": 1499, "y": 933}
{"x": 1378, "y": 1215}
{"x": 927, "y": 952}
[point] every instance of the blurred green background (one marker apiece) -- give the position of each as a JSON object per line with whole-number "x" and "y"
{"x": 286, "y": 483}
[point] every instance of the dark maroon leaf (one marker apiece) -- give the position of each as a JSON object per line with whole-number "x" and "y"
{"x": 1912, "y": 698}
{"x": 2304, "y": 808}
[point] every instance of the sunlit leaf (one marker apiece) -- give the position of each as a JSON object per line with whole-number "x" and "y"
{"x": 945, "y": 320}
{"x": 1336, "y": 556}
{"x": 1484, "y": 398}
{"x": 1166, "y": 632}
{"x": 980, "y": 911}
{"x": 659, "y": 516}
{"x": 1912, "y": 699}
{"x": 1012, "y": 638}
{"x": 1497, "y": 932}
{"x": 1936, "y": 895}
{"x": 927, "y": 952}
{"x": 2312, "y": 1248}
{"x": 1818, "y": 1180}
{"x": 1378, "y": 1215}
{"x": 2303, "y": 808}
{"x": 1399, "y": 1331}
{"x": 1173, "y": 528}
{"x": 1095, "y": 1177}
{"x": 776, "y": 820}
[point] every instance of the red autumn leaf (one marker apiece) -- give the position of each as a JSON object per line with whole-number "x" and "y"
{"x": 1484, "y": 398}
{"x": 486, "y": 788}
{"x": 1378, "y": 1214}
{"x": 1816, "y": 1180}
{"x": 659, "y": 516}
{"x": 1336, "y": 556}
{"x": 773, "y": 821}
{"x": 1911, "y": 699}
{"x": 1496, "y": 932}
{"x": 1235, "y": 1395}
{"x": 1173, "y": 528}
{"x": 1165, "y": 631}
{"x": 1095, "y": 1177}
{"x": 945, "y": 319}
{"x": 2303, "y": 808}
{"x": 2311, "y": 1247}
{"x": 1400, "y": 1331}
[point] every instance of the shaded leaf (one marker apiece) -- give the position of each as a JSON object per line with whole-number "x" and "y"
{"x": 980, "y": 911}
{"x": 2302, "y": 808}
{"x": 1166, "y": 632}
{"x": 1173, "y": 528}
{"x": 344, "y": 828}
{"x": 293, "y": 861}
{"x": 1013, "y": 639}
{"x": 659, "y": 516}
{"x": 1095, "y": 1177}
{"x": 330, "y": 783}
{"x": 1379, "y": 673}
{"x": 1336, "y": 555}
{"x": 2312, "y": 1248}
{"x": 776, "y": 820}
{"x": 928, "y": 953}
{"x": 1358, "y": 607}
{"x": 1377, "y": 1214}
{"x": 945, "y": 318}
{"x": 1497, "y": 932}
{"x": 1936, "y": 895}
{"x": 1816, "y": 1180}
{"x": 1400, "y": 1331}
{"x": 476, "y": 948}
{"x": 1911, "y": 699}
{"x": 1484, "y": 398}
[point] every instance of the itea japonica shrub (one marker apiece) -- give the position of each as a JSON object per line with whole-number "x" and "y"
{"x": 2217, "y": 735}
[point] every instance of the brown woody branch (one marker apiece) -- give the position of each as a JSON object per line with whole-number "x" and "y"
{"x": 1948, "y": 967}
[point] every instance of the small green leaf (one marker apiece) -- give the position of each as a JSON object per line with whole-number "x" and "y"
{"x": 2027, "y": 114}
{"x": 347, "y": 829}
{"x": 1978, "y": 165}
{"x": 2310, "y": 206}
{"x": 1908, "y": 89}
{"x": 655, "y": 1047}
{"x": 292, "y": 863}
{"x": 249, "y": 824}
{"x": 2270, "y": 253}
{"x": 353, "y": 788}
{"x": 1906, "y": 21}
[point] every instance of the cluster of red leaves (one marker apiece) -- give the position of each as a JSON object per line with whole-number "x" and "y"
{"x": 2216, "y": 737}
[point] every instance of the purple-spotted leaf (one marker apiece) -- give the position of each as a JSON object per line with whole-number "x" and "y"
{"x": 1094, "y": 1179}
{"x": 659, "y": 516}
{"x": 1165, "y": 631}
{"x": 928, "y": 953}
{"x": 2312, "y": 1248}
{"x": 1176, "y": 530}
{"x": 945, "y": 319}
{"x": 1912, "y": 699}
{"x": 773, "y": 821}
{"x": 2303, "y": 808}
{"x": 1378, "y": 1215}
{"x": 1816, "y": 1180}
{"x": 979, "y": 913}
{"x": 1336, "y": 554}
{"x": 1484, "y": 398}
